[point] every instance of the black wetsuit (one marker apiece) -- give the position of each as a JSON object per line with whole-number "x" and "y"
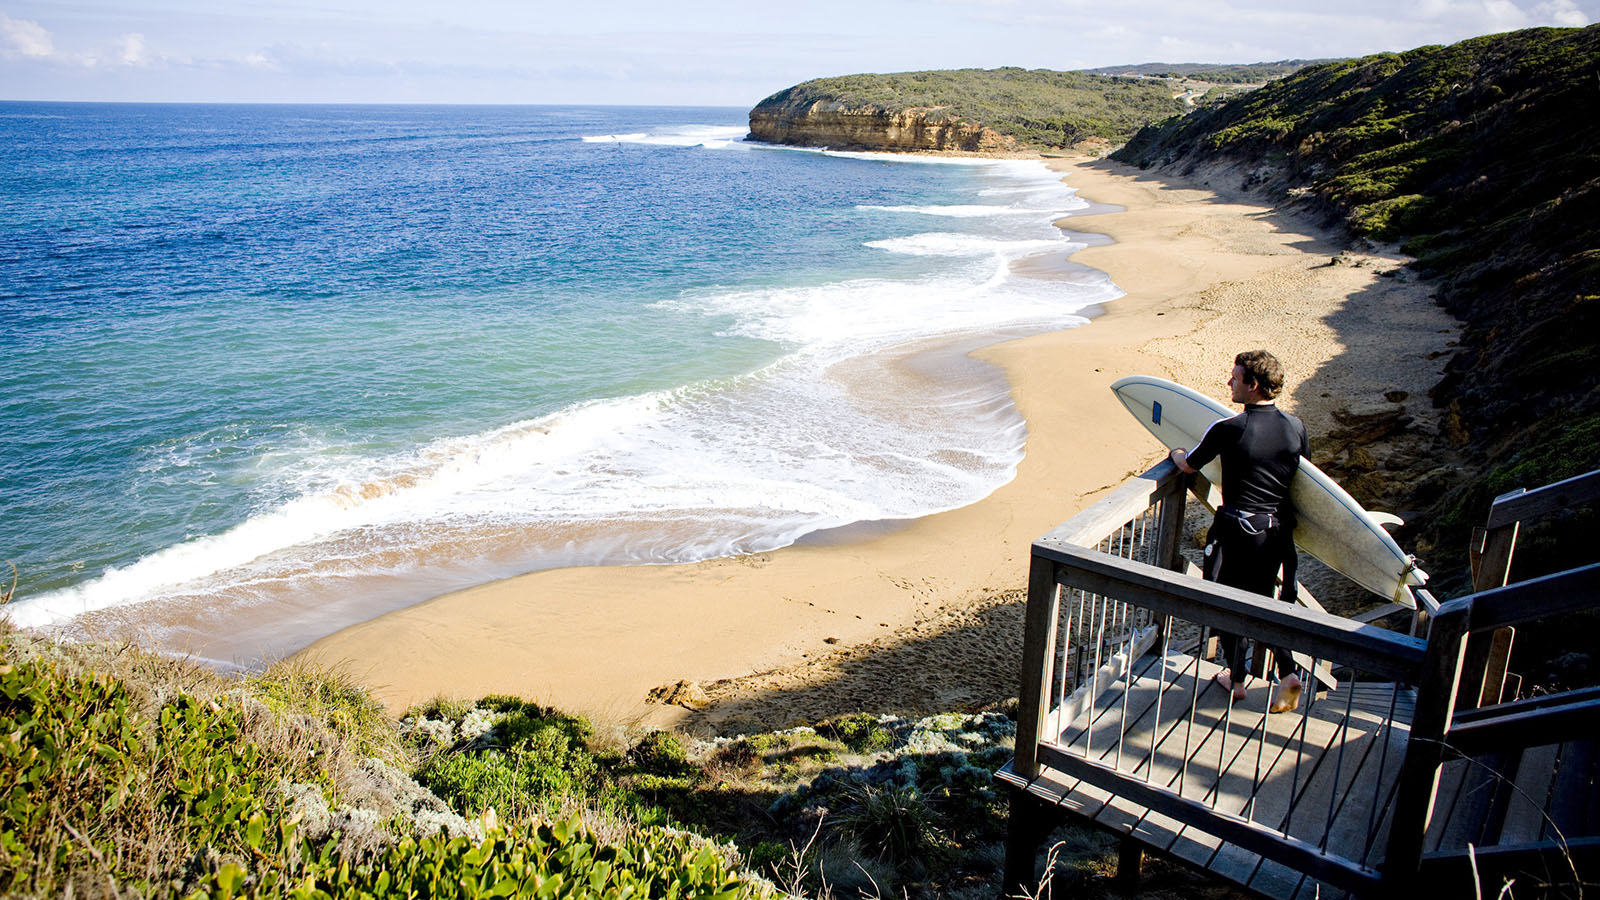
{"x": 1253, "y": 534}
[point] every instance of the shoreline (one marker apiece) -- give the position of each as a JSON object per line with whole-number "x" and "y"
{"x": 776, "y": 638}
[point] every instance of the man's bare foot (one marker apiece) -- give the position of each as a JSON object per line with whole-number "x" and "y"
{"x": 1287, "y": 695}
{"x": 1226, "y": 683}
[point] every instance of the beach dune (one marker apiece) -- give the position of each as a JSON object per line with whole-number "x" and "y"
{"x": 780, "y": 637}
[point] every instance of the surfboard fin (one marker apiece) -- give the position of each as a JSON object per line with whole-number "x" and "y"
{"x": 1386, "y": 519}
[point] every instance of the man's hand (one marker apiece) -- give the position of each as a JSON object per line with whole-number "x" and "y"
{"x": 1180, "y": 458}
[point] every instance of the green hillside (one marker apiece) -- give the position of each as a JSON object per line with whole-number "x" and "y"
{"x": 1215, "y": 73}
{"x": 1036, "y": 106}
{"x": 1483, "y": 159}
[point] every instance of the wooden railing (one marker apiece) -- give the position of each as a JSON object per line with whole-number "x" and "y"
{"x": 1491, "y": 551}
{"x": 1116, "y": 703}
{"x": 1491, "y": 743}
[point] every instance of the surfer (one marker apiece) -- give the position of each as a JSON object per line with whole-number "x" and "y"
{"x": 1252, "y": 535}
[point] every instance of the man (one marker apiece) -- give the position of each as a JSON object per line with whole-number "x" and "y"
{"x": 1253, "y": 534}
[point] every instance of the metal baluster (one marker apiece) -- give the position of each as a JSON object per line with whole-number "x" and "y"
{"x": 1161, "y": 691}
{"x": 1127, "y": 693}
{"x": 1094, "y": 677}
{"x": 1066, "y": 653}
{"x": 1261, "y": 742}
{"x": 1344, "y": 729}
{"x": 1194, "y": 699}
{"x": 1300, "y": 753}
{"x": 1385, "y": 733}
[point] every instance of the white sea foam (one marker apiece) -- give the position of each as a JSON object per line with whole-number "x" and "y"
{"x": 964, "y": 211}
{"x": 944, "y": 243}
{"x": 705, "y": 470}
{"x": 711, "y": 136}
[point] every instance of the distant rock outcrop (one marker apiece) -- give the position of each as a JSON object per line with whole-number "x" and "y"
{"x": 965, "y": 110}
{"x": 826, "y": 123}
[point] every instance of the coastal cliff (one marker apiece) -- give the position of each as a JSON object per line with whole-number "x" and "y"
{"x": 830, "y": 123}
{"x": 966, "y": 110}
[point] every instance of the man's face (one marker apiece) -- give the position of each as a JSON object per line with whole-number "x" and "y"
{"x": 1241, "y": 391}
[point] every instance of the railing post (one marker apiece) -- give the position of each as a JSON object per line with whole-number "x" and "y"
{"x": 1419, "y": 772}
{"x": 1488, "y": 655}
{"x": 1038, "y": 659}
{"x": 1169, "y": 540}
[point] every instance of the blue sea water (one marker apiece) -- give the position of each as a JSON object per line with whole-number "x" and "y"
{"x": 269, "y": 370}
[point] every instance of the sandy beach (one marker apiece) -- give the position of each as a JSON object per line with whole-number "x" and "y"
{"x": 926, "y": 616}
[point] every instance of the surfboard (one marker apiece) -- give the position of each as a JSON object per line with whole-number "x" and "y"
{"x": 1332, "y": 526}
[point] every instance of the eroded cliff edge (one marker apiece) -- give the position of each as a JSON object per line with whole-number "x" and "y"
{"x": 830, "y": 123}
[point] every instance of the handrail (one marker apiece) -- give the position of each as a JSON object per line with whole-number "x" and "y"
{"x": 1524, "y": 505}
{"x": 1536, "y": 598}
{"x": 1132, "y": 497}
{"x": 1232, "y": 609}
{"x": 1550, "y": 724}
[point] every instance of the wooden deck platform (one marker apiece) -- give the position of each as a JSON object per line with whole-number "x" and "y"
{"x": 1323, "y": 774}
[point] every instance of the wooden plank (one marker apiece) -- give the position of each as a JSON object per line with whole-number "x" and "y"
{"x": 1579, "y": 695}
{"x": 1549, "y": 862}
{"x": 1038, "y": 650}
{"x": 1454, "y": 790}
{"x": 1574, "y": 590}
{"x": 1436, "y": 690}
{"x": 1529, "y": 796}
{"x": 1547, "y": 724}
{"x": 1230, "y": 609}
{"x": 1230, "y": 828}
{"x": 1575, "y": 800}
{"x": 1379, "y": 612}
{"x": 1525, "y": 505}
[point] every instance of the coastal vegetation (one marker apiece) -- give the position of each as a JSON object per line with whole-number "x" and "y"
{"x": 124, "y": 772}
{"x": 1032, "y": 107}
{"x": 1213, "y": 73}
{"x": 1479, "y": 159}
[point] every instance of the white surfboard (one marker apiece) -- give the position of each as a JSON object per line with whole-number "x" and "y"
{"x": 1332, "y": 526}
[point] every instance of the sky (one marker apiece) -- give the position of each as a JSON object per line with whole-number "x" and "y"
{"x": 649, "y": 52}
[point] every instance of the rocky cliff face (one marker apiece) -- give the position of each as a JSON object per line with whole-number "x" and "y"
{"x": 839, "y": 127}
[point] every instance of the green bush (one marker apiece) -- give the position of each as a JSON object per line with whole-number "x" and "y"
{"x": 893, "y": 821}
{"x": 90, "y": 784}
{"x": 544, "y": 768}
{"x": 861, "y": 733}
{"x": 660, "y": 753}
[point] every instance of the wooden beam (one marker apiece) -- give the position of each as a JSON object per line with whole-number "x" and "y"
{"x": 1524, "y": 506}
{"x": 1550, "y": 724}
{"x": 1574, "y": 590}
{"x": 1236, "y": 611}
{"x": 1038, "y": 655}
{"x": 1450, "y": 873}
{"x": 1430, "y": 722}
{"x": 1526, "y": 703}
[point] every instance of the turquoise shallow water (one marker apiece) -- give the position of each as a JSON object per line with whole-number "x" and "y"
{"x": 290, "y": 366}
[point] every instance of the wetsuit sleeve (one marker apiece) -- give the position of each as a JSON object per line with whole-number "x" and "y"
{"x": 1211, "y": 443}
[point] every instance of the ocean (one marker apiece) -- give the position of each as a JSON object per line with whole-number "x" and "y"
{"x": 273, "y": 370}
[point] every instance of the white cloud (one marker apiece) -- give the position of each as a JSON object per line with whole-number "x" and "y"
{"x": 26, "y": 36}
{"x": 132, "y": 50}
{"x": 1561, "y": 12}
